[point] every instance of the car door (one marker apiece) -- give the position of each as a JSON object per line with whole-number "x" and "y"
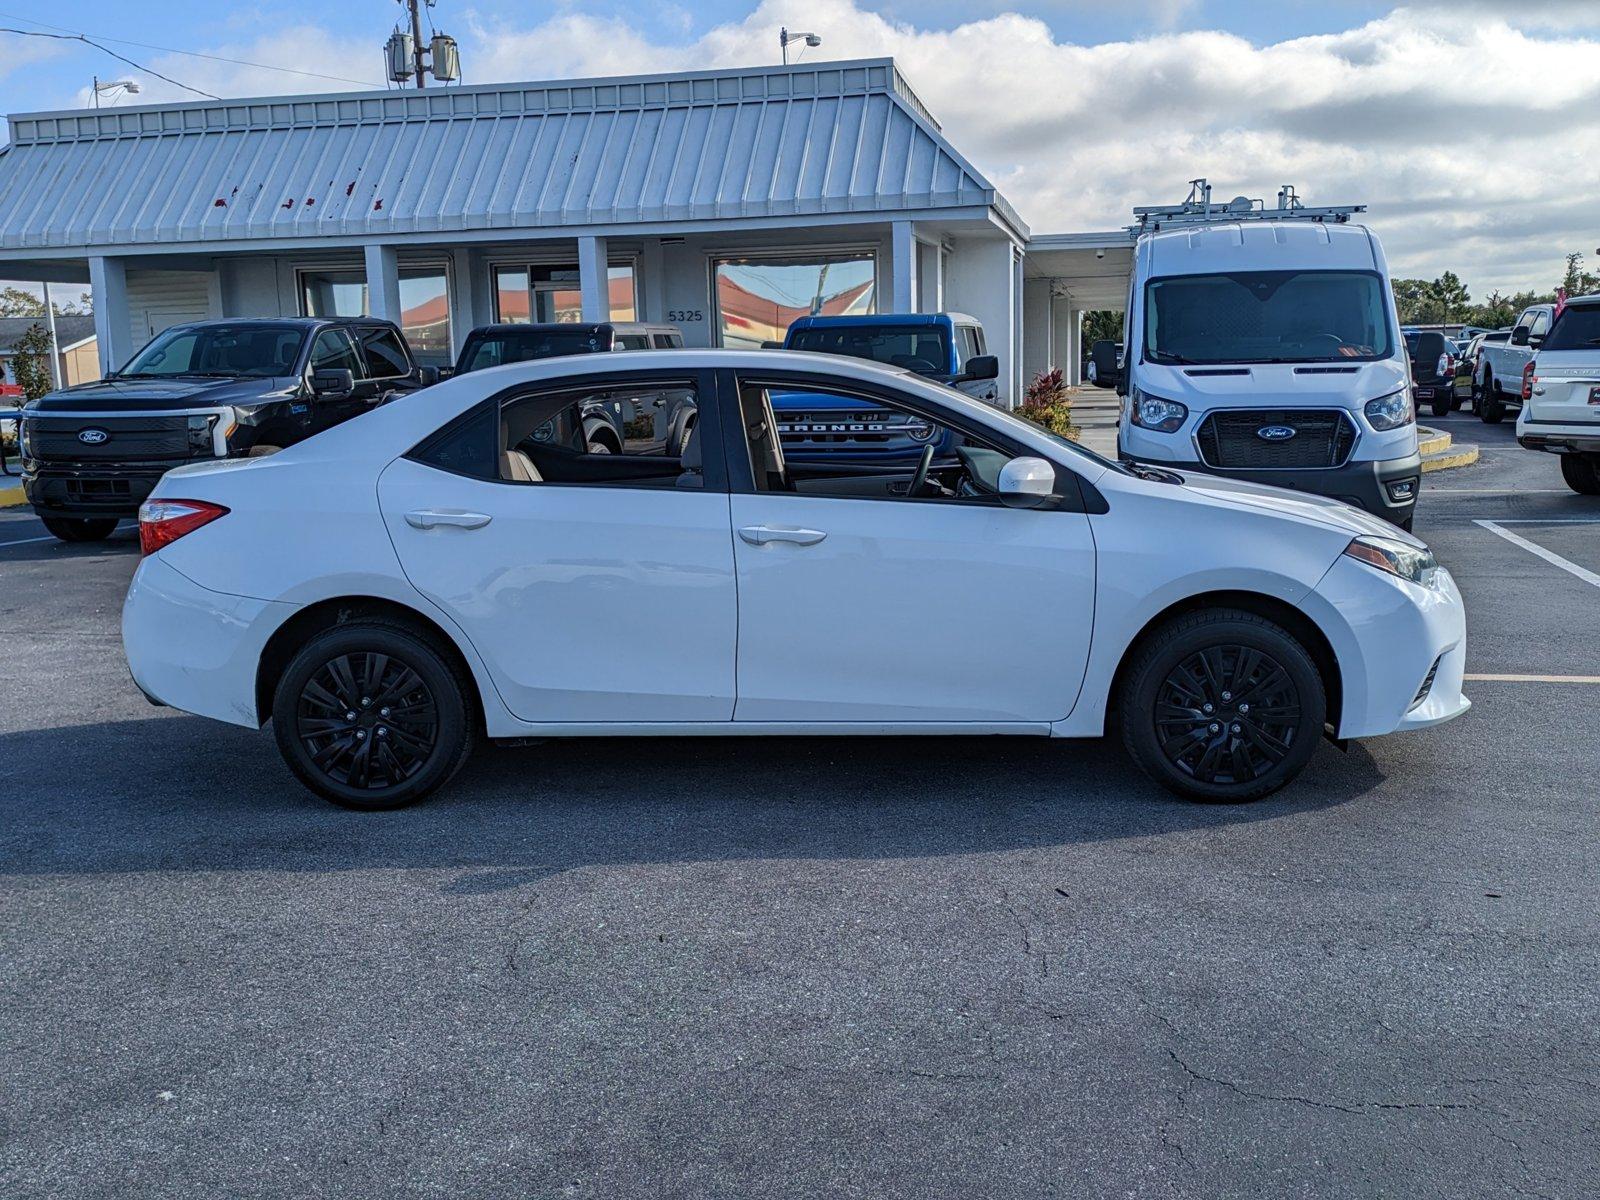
{"x": 596, "y": 587}
{"x": 858, "y": 603}
{"x": 335, "y": 350}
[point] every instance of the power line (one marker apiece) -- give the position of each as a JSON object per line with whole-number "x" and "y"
{"x": 78, "y": 37}
{"x": 238, "y": 62}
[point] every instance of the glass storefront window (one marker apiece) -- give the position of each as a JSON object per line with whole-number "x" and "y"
{"x": 424, "y": 305}
{"x": 758, "y": 298}
{"x": 553, "y": 294}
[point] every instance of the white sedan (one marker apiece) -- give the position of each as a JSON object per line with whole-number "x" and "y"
{"x": 459, "y": 563}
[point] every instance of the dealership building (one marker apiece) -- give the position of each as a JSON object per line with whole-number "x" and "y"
{"x": 727, "y": 203}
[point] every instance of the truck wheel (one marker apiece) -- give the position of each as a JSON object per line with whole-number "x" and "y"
{"x": 1221, "y": 706}
{"x": 372, "y": 715}
{"x": 1440, "y": 406}
{"x": 1582, "y": 473}
{"x": 1492, "y": 408}
{"x": 80, "y": 529}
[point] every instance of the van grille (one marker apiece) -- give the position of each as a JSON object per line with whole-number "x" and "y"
{"x": 1322, "y": 438}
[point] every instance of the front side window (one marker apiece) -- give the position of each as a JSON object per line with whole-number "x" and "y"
{"x": 759, "y": 297}
{"x": 334, "y": 351}
{"x": 1267, "y": 317}
{"x": 1541, "y": 323}
{"x": 386, "y": 357}
{"x": 220, "y": 350}
{"x": 496, "y": 348}
{"x": 924, "y": 349}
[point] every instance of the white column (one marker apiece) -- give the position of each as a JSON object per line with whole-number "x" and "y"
{"x": 902, "y": 297}
{"x": 930, "y": 277}
{"x": 55, "y": 342}
{"x": 383, "y": 282}
{"x": 113, "y": 323}
{"x": 984, "y": 281}
{"x": 652, "y": 282}
{"x": 1075, "y": 345}
{"x": 1038, "y": 328}
{"x": 464, "y": 314}
{"x": 593, "y": 279}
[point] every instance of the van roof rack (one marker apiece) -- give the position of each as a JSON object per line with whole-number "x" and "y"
{"x": 1198, "y": 209}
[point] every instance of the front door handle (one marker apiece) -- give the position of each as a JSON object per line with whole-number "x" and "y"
{"x": 432, "y": 518}
{"x": 760, "y": 535}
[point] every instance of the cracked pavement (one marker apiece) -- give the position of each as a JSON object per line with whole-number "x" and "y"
{"x": 855, "y": 968}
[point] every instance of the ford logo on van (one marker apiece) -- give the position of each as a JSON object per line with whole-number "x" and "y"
{"x": 92, "y": 437}
{"x": 1276, "y": 433}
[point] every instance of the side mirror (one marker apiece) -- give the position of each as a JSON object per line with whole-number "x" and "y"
{"x": 1535, "y": 340}
{"x": 981, "y": 366}
{"x": 446, "y": 372}
{"x": 1027, "y": 482}
{"x": 332, "y": 385}
{"x": 1519, "y": 336}
{"x": 428, "y": 376}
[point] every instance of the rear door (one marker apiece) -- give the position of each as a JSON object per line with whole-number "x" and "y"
{"x": 1566, "y": 375}
{"x": 597, "y": 588}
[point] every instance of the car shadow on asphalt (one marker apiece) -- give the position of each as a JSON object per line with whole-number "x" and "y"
{"x": 178, "y": 793}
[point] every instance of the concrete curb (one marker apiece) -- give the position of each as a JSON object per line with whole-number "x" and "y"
{"x": 1444, "y": 460}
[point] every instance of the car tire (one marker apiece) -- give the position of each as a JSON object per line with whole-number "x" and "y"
{"x": 1227, "y": 755}
{"x": 1582, "y": 473}
{"x": 1492, "y": 409}
{"x": 423, "y": 736}
{"x": 1405, "y": 522}
{"x": 80, "y": 529}
{"x": 1440, "y": 406}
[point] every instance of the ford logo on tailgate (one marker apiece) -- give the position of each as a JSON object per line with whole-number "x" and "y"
{"x": 1276, "y": 433}
{"x": 92, "y": 437}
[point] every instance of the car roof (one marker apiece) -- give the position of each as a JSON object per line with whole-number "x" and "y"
{"x": 1260, "y": 246}
{"x": 869, "y": 319}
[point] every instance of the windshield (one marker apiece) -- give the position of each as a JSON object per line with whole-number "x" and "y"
{"x": 514, "y": 346}
{"x": 1578, "y": 328}
{"x": 1267, "y": 317}
{"x": 924, "y": 349}
{"x": 221, "y": 350}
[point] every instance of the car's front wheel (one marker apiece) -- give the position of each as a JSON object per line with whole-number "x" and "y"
{"x": 1582, "y": 473}
{"x": 80, "y": 529}
{"x": 371, "y": 715}
{"x": 1222, "y": 706}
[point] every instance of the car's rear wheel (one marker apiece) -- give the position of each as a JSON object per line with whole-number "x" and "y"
{"x": 1442, "y": 403}
{"x": 1582, "y": 473}
{"x": 80, "y": 529}
{"x": 372, "y": 715}
{"x": 1222, "y": 706}
{"x": 1492, "y": 409}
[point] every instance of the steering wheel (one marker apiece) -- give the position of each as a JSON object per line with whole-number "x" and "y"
{"x": 920, "y": 479}
{"x": 1338, "y": 342}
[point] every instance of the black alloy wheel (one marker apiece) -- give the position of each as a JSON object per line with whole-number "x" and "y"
{"x": 372, "y": 716}
{"x": 1221, "y": 705}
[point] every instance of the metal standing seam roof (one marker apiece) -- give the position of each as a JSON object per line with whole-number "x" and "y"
{"x": 721, "y": 145}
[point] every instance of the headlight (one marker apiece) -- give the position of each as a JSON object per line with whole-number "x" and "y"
{"x": 1391, "y": 411}
{"x": 1415, "y": 563}
{"x": 1154, "y": 413}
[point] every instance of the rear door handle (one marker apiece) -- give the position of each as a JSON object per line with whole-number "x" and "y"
{"x": 760, "y": 535}
{"x": 432, "y": 518}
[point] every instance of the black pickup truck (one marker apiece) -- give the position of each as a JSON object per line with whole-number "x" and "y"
{"x": 212, "y": 389}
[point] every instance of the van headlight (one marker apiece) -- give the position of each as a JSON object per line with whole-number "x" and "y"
{"x": 1391, "y": 411}
{"x": 1154, "y": 413}
{"x": 1413, "y": 563}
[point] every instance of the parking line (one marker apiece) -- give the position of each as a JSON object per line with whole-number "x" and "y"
{"x": 1550, "y": 556}
{"x": 1531, "y": 678}
{"x": 52, "y": 538}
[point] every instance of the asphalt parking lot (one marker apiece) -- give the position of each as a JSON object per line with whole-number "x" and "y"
{"x": 812, "y": 968}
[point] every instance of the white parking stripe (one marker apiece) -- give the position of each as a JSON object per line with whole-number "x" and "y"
{"x": 1532, "y": 678}
{"x": 32, "y": 541}
{"x": 1550, "y": 556}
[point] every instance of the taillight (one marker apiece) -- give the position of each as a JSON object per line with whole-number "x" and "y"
{"x": 1527, "y": 380}
{"x": 162, "y": 522}
{"x": 1444, "y": 367}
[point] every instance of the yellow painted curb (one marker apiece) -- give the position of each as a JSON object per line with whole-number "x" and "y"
{"x": 1432, "y": 441}
{"x": 1461, "y": 456}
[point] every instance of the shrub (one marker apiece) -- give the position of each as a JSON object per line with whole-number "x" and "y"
{"x": 1048, "y": 404}
{"x": 31, "y": 361}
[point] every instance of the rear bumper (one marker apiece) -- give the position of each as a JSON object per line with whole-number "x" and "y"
{"x": 89, "y": 491}
{"x": 194, "y": 649}
{"x": 1369, "y": 485}
{"x": 1558, "y": 437}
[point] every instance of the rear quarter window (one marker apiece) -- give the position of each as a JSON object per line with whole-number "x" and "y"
{"x": 470, "y": 446}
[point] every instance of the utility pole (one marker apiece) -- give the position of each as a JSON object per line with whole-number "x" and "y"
{"x": 416, "y": 40}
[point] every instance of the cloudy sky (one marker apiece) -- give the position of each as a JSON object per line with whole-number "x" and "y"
{"x": 1470, "y": 129}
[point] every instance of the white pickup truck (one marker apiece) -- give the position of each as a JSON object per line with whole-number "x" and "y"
{"x": 1561, "y": 395}
{"x": 1498, "y": 385}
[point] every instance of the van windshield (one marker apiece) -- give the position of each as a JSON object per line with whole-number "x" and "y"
{"x": 924, "y": 349}
{"x": 1267, "y": 317}
{"x": 222, "y": 350}
{"x": 497, "y": 348}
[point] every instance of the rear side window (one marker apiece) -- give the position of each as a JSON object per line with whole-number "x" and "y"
{"x": 632, "y": 341}
{"x": 1577, "y": 329}
{"x": 386, "y": 357}
{"x": 469, "y": 447}
{"x": 667, "y": 341}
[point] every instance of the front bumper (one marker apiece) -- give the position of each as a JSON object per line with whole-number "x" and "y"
{"x": 71, "y": 490}
{"x": 1388, "y": 635}
{"x": 1558, "y": 437}
{"x": 1378, "y": 487}
{"x": 195, "y": 649}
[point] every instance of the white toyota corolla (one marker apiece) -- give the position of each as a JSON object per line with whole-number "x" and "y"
{"x": 463, "y": 562}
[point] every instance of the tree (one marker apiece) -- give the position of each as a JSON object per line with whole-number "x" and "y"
{"x": 1577, "y": 281}
{"x": 1099, "y": 323}
{"x": 1449, "y": 296}
{"x": 20, "y": 302}
{"x": 1411, "y": 297}
{"x": 31, "y": 361}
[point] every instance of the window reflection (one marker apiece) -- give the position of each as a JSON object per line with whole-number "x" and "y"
{"x": 759, "y": 298}
{"x": 554, "y": 294}
{"x": 424, "y": 305}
